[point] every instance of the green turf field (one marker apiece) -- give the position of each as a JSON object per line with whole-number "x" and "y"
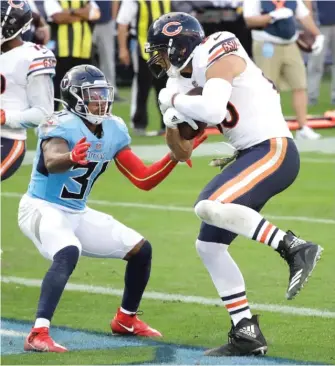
{"x": 302, "y": 330}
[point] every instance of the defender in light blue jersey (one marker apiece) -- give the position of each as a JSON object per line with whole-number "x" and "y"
{"x": 73, "y": 150}
{"x": 72, "y": 187}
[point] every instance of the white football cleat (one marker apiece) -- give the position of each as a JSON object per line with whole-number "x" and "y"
{"x": 306, "y": 133}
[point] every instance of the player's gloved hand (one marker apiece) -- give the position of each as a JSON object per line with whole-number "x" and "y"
{"x": 162, "y": 108}
{"x": 2, "y": 117}
{"x": 172, "y": 118}
{"x": 165, "y": 98}
{"x": 281, "y": 13}
{"x": 79, "y": 152}
{"x": 318, "y": 44}
{"x": 196, "y": 142}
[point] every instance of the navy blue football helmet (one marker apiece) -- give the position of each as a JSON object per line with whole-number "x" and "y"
{"x": 173, "y": 36}
{"x": 16, "y": 17}
{"x": 85, "y": 87}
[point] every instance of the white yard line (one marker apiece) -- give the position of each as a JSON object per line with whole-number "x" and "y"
{"x": 312, "y": 220}
{"x": 161, "y": 296}
{"x": 11, "y": 333}
{"x": 153, "y": 152}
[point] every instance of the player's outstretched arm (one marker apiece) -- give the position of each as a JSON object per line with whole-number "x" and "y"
{"x": 58, "y": 158}
{"x": 148, "y": 177}
{"x": 40, "y": 94}
{"x": 142, "y": 176}
{"x": 181, "y": 148}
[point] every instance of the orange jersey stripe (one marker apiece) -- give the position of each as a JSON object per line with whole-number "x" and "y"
{"x": 237, "y": 303}
{"x": 8, "y": 157}
{"x": 215, "y": 54}
{"x": 259, "y": 178}
{"x": 266, "y": 232}
{"x": 244, "y": 173}
{"x": 13, "y": 155}
{"x": 36, "y": 64}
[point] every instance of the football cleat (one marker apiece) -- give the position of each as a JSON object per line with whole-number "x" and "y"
{"x": 38, "y": 340}
{"x": 301, "y": 256}
{"x": 125, "y": 324}
{"x": 244, "y": 339}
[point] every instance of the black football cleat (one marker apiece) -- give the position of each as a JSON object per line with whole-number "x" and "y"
{"x": 244, "y": 339}
{"x": 301, "y": 256}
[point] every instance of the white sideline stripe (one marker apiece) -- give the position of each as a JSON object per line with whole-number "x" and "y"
{"x": 313, "y": 220}
{"x": 12, "y": 333}
{"x": 317, "y": 161}
{"x": 151, "y": 295}
{"x": 208, "y": 149}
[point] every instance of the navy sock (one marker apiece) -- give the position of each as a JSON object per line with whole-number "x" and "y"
{"x": 64, "y": 262}
{"x": 136, "y": 277}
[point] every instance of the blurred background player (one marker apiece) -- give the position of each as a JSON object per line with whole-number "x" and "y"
{"x": 325, "y": 15}
{"x": 275, "y": 52}
{"x": 134, "y": 19}
{"x": 39, "y": 31}
{"x": 240, "y": 101}
{"x": 104, "y": 40}
{"x": 72, "y": 153}
{"x": 26, "y": 84}
{"x": 72, "y": 24}
{"x": 224, "y": 15}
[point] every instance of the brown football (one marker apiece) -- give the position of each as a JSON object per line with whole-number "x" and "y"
{"x": 185, "y": 130}
{"x": 305, "y": 41}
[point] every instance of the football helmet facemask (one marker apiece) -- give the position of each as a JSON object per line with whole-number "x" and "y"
{"x": 172, "y": 39}
{"x": 86, "y": 92}
{"x": 16, "y": 17}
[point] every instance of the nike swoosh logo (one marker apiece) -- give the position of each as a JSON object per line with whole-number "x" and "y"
{"x": 45, "y": 349}
{"x": 216, "y": 38}
{"x": 131, "y": 330}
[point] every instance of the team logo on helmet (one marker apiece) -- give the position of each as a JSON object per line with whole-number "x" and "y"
{"x": 170, "y": 29}
{"x": 65, "y": 83}
{"x": 17, "y": 4}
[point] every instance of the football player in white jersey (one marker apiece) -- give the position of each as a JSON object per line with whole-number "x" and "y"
{"x": 26, "y": 85}
{"x": 245, "y": 107}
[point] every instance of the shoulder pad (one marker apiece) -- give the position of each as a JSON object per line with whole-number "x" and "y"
{"x": 58, "y": 119}
{"x": 220, "y": 44}
{"x": 119, "y": 120}
{"x": 42, "y": 60}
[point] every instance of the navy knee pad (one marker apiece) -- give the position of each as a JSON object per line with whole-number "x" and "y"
{"x": 66, "y": 259}
{"x": 144, "y": 255}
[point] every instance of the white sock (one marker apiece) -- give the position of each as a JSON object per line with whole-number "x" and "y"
{"x": 124, "y": 311}
{"x": 240, "y": 220}
{"x": 42, "y": 323}
{"x": 227, "y": 278}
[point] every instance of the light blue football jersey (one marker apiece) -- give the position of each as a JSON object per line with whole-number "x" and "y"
{"x": 71, "y": 188}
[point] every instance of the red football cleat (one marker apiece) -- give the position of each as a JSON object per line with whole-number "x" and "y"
{"x": 125, "y": 324}
{"x": 39, "y": 340}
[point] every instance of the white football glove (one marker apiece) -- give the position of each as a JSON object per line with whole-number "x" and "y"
{"x": 162, "y": 108}
{"x": 282, "y": 13}
{"x": 172, "y": 118}
{"x": 318, "y": 44}
{"x": 165, "y": 99}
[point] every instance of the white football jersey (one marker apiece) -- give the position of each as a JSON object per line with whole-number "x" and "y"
{"x": 254, "y": 111}
{"x": 16, "y": 66}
